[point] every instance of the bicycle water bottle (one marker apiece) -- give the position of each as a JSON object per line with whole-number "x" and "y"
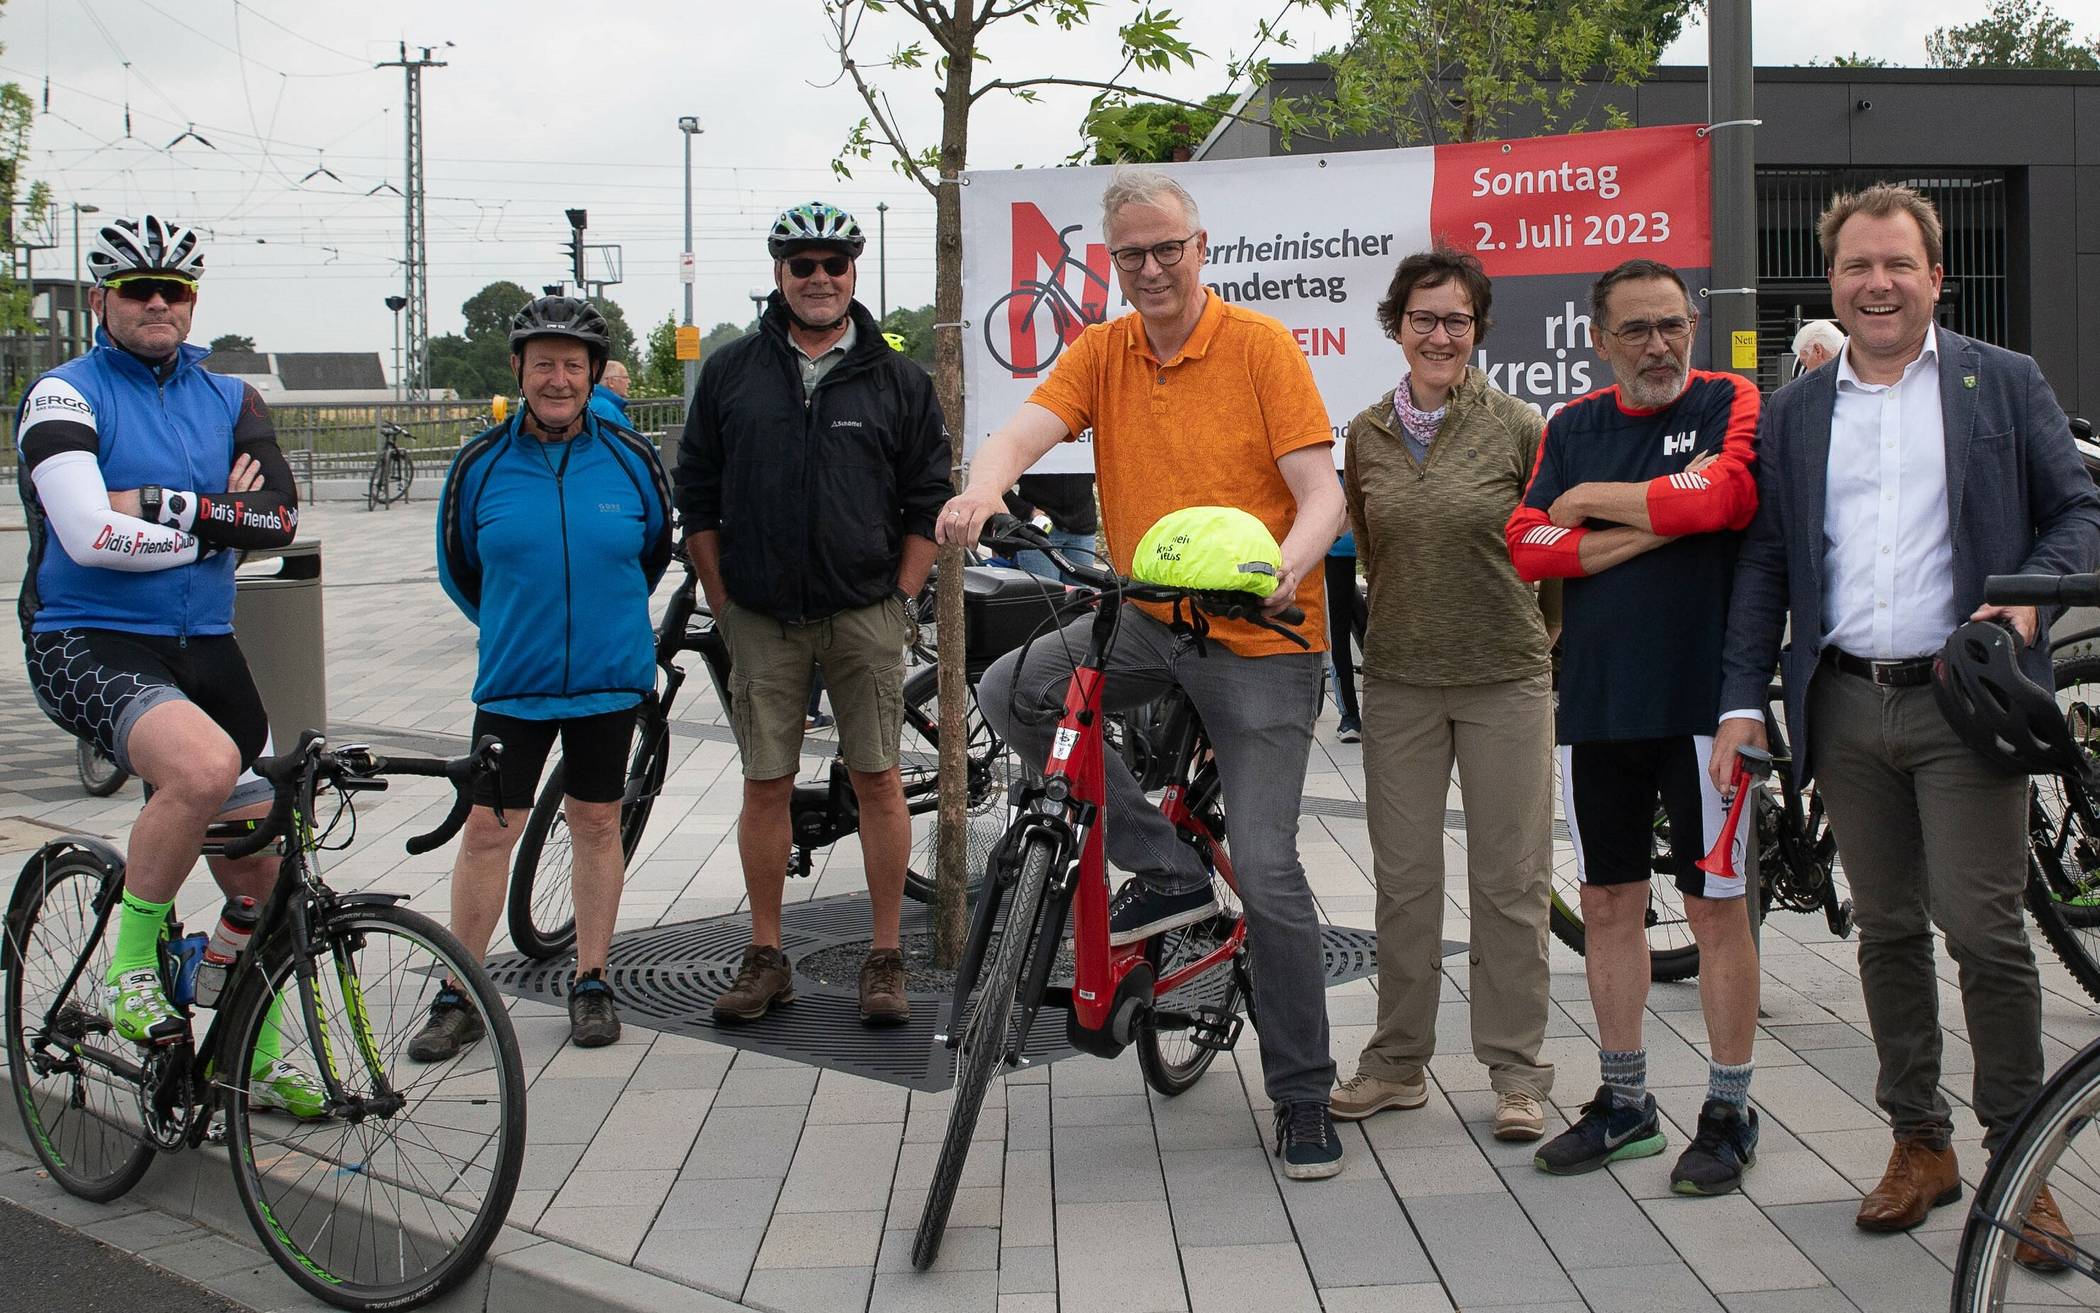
{"x": 236, "y": 924}
{"x": 184, "y": 957}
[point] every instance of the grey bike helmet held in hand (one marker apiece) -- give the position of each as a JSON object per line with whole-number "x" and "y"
{"x": 148, "y": 244}
{"x": 816, "y": 224}
{"x": 1996, "y": 709}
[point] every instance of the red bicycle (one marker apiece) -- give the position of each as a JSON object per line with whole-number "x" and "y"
{"x": 1177, "y": 995}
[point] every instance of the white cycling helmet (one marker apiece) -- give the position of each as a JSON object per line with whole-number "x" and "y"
{"x": 148, "y": 244}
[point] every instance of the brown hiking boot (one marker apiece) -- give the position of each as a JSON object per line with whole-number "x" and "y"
{"x": 882, "y": 1000}
{"x": 763, "y": 978}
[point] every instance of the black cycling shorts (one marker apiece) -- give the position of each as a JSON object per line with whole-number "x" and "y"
{"x": 1609, "y": 792}
{"x": 593, "y": 753}
{"x": 96, "y": 683}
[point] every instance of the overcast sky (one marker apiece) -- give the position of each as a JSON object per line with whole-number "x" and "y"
{"x": 545, "y": 106}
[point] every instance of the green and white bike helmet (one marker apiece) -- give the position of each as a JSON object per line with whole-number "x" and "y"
{"x": 815, "y": 224}
{"x": 1211, "y": 549}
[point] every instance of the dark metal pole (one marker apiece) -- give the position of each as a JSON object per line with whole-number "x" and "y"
{"x": 1731, "y": 104}
{"x": 882, "y": 257}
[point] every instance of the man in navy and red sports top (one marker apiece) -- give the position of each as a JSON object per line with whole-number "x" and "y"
{"x": 1638, "y": 499}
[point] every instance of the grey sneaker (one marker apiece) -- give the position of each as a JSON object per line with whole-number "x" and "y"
{"x": 1364, "y": 1094}
{"x": 452, "y": 1026}
{"x": 593, "y": 1021}
{"x": 763, "y": 978}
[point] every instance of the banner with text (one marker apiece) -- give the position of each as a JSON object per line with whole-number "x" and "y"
{"x": 1312, "y": 240}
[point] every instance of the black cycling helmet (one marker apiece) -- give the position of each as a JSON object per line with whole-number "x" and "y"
{"x": 563, "y": 316}
{"x": 1996, "y": 709}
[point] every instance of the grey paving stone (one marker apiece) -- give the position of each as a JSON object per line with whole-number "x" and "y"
{"x": 569, "y": 1110}
{"x": 548, "y": 1165}
{"x": 1028, "y": 1269}
{"x": 142, "y": 1229}
{"x": 1026, "y": 1215}
{"x": 1824, "y": 1300}
{"x": 747, "y": 1086}
{"x": 1879, "y": 1273}
{"x": 1108, "y": 1164}
{"x": 1118, "y": 1255}
{"x": 613, "y": 1231}
{"x": 1101, "y": 1110}
{"x": 842, "y": 1169}
{"x": 745, "y": 1142}
{"x": 1795, "y": 1176}
{"x": 1424, "y": 1297}
{"x": 935, "y": 1292}
{"x": 1425, "y": 1171}
{"x": 1224, "y": 1197}
{"x": 1027, "y": 1303}
{"x": 1803, "y": 1100}
{"x": 719, "y": 1261}
{"x": 963, "y": 1249}
{"x": 647, "y": 1129}
{"x": 635, "y": 1189}
{"x": 843, "y": 1099}
{"x": 833, "y": 1239}
{"x": 1355, "y": 1234}
{"x": 1028, "y": 1117}
{"x": 203, "y": 1257}
{"x": 1516, "y": 1268}
{"x": 1661, "y": 1288}
{"x": 1233, "y": 1278}
{"x": 1731, "y": 1245}
{"x": 809, "y": 1290}
{"x": 555, "y": 1276}
{"x": 1587, "y": 1221}
{"x": 702, "y": 1204}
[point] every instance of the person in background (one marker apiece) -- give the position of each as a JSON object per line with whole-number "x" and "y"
{"x": 1816, "y": 344}
{"x": 1433, "y": 471}
{"x": 1345, "y": 625}
{"x": 1075, "y": 526}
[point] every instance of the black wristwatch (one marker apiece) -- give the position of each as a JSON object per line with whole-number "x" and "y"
{"x": 911, "y": 604}
{"x": 150, "y": 495}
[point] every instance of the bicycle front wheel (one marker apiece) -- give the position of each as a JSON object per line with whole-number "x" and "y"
{"x": 2053, "y": 1145}
{"x": 983, "y": 1045}
{"x": 992, "y": 772}
{"x": 82, "y": 1119}
{"x": 2063, "y": 872}
{"x": 394, "y": 1200}
{"x": 400, "y": 472}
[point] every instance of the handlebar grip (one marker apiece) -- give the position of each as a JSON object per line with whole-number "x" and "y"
{"x": 438, "y": 838}
{"x": 1291, "y": 615}
{"x": 1001, "y": 527}
{"x": 256, "y": 840}
{"x": 2042, "y": 590}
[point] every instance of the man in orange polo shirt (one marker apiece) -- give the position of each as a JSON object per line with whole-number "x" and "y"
{"x": 1194, "y": 402}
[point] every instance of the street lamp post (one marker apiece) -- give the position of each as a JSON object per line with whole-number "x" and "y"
{"x": 882, "y": 258}
{"x": 397, "y": 304}
{"x": 689, "y": 128}
{"x": 77, "y": 337}
{"x": 758, "y": 297}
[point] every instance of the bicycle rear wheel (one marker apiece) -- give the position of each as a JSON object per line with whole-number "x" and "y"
{"x": 2054, "y": 1144}
{"x": 98, "y": 774}
{"x": 542, "y": 903}
{"x": 2063, "y": 872}
{"x": 983, "y": 1045}
{"x": 397, "y": 1205}
{"x": 400, "y": 472}
{"x": 82, "y": 1118}
{"x": 1168, "y": 1054}
{"x": 1672, "y": 952}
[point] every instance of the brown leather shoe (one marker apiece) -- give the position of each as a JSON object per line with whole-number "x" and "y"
{"x": 882, "y": 1000}
{"x": 1919, "y": 1179}
{"x": 763, "y": 978}
{"x": 2045, "y": 1223}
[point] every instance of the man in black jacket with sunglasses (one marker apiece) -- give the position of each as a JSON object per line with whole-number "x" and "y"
{"x": 813, "y": 461}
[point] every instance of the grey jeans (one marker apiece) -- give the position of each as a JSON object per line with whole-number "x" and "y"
{"x": 1258, "y": 713}
{"x": 1931, "y": 834}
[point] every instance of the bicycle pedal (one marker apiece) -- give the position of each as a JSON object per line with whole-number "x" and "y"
{"x": 1213, "y": 1029}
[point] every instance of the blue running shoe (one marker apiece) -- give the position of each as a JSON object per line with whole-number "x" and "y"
{"x": 1605, "y": 1133}
{"x": 1724, "y": 1148}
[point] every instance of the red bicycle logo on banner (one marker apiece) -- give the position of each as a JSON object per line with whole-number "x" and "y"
{"x": 1027, "y": 327}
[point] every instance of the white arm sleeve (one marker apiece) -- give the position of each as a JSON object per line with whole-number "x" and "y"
{"x": 76, "y": 502}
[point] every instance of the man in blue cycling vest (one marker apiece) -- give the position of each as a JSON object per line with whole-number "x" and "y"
{"x": 139, "y": 470}
{"x": 553, "y": 528}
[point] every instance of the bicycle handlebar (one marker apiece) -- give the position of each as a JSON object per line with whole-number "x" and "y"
{"x": 1011, "y": 532}
{"x": 2042, "y": 590}
{"x": 286, "y": 770}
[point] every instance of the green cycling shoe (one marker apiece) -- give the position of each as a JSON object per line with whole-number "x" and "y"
{"x": 140, "y": 1011}
{"x": 278, "y": 1086}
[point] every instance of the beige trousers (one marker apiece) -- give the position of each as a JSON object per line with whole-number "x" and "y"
{"x": 1501, "y": 738}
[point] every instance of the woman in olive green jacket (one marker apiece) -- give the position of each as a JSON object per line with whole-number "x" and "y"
{"x": 1456, "y": 669}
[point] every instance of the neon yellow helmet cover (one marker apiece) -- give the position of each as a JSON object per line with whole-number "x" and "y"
{"x": 1210, "y": 548}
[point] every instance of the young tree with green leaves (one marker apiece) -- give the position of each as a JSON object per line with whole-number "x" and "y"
{"x": 2013, "y": 34}
{"x": 27, "y": 208}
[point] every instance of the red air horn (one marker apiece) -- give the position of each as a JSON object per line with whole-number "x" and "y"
{"x": 1726, "y": 857}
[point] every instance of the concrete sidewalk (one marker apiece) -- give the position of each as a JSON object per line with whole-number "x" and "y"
{"x": 667, "y": 1171}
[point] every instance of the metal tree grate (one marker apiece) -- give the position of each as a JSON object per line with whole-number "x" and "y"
{"x": 668, "y": 977}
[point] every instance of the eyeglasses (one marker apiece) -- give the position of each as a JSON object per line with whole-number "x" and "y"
{"x": 1130, "y": 259}
{"x": 1424, "y": 323}
{"x": 1674, "y": 330}
{"x": 144, "y": 287}
{"x": 803, "y": 266}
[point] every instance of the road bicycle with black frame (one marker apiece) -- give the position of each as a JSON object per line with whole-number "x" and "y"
{"x": 2054, "y": 1143}
{"x": 394, "y": 469}
{"x": 391, "y": 1195}
{"x": 1177, "y": 995}
{"x": 1001, "y": 607}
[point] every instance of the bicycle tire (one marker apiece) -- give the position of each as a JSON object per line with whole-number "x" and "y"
{"x": 401, "y": 472}
{"x": 2052, "y": 1125}
{"x": 1171, "y": 1062}
{"x": 83, "y": 1125}
{"x": 541, "y": 908}
{"x": 983, "y": 1044}
{"x": 98, "y": 774}
{"x": 1672, "y": 955}
{"x": 2064, "y": 895}
{"x": 316, "y": 1189}
{"x": 993, "y": 770}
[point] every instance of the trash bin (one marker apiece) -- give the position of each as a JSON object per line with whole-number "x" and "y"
{"x": 277, "y": 617}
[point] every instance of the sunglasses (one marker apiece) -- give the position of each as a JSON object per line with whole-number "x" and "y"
{"x": 835, "y": 265}
{"x": 142, "y": 288}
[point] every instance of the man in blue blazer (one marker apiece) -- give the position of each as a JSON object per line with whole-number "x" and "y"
{"x": 1890, "y": 482}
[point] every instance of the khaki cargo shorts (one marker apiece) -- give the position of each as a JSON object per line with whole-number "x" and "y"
{"x": 862, "y": 655}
